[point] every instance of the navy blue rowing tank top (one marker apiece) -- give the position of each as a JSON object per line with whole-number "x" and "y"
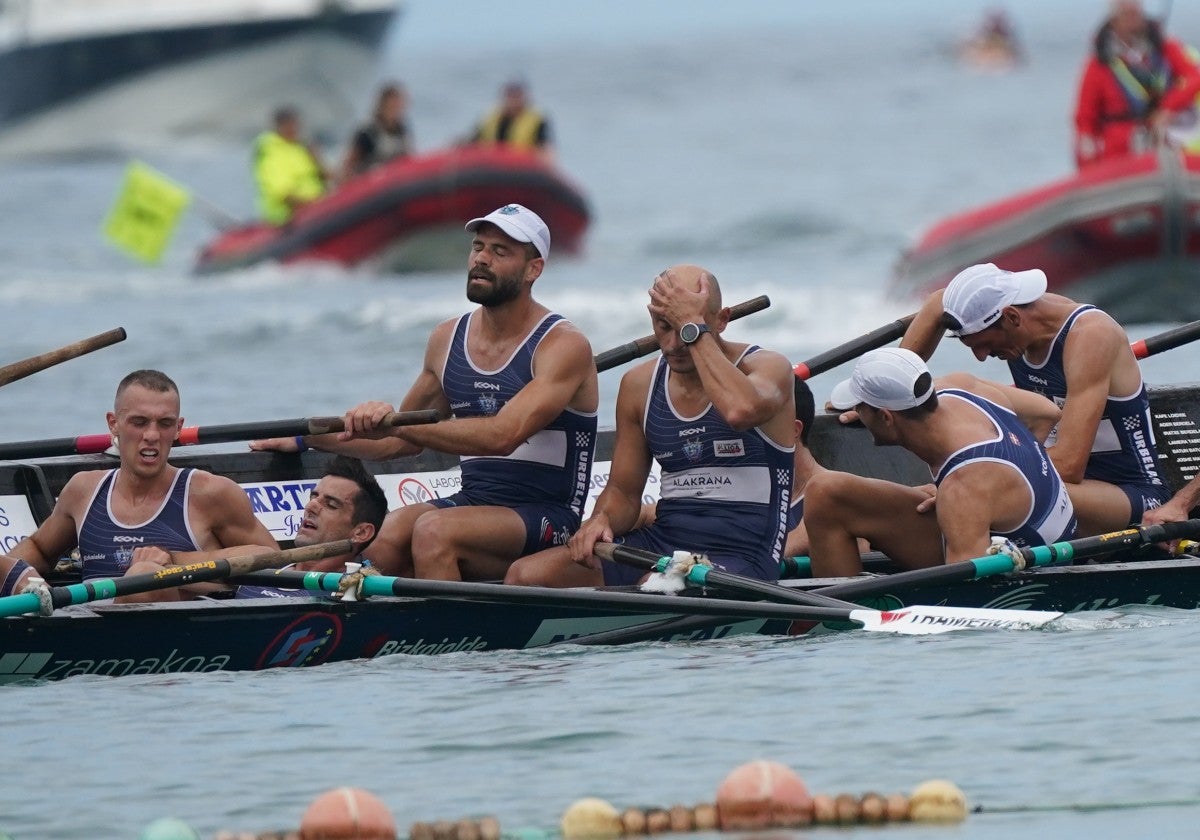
{"x": 106, "y": 546}
{"x": 554, "y": 464}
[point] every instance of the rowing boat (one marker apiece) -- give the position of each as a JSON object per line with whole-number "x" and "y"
{"x": 253, "y": 634}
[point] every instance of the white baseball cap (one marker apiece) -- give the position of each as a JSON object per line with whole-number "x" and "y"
{"x": 884, "y": 378}
{"x": 521, "y": 223}
{"x": 977, "y": 295}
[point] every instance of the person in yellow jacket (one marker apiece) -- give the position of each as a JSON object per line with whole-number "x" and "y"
{"x": 288, "y": 172}
{"x": 516, "y": 123}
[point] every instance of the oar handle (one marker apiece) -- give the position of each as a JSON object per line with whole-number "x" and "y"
{"x": 1168, "y": 340}
{"x": 27, "y": 367}
{"x": 326, "y": 425}
{"x": 854, "y": 348}
{"x": 646, "y": 345}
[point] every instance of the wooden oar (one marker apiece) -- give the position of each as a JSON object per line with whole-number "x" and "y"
{"x": 910, "y": 621}
{"x": 646, "y": 345}
{"x": 27, "y": 367}
{"x": 854, "y": 348}
{"x": 169, "y": 576}
{"x": 1168, "y": 340}
{"x": 190, "y": 435}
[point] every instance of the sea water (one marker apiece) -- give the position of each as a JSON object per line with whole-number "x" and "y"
{"x": 792, "y": 148}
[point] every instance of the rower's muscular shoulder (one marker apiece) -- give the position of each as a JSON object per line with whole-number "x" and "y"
{"x": 217, "y": 496}
{"x": 78, "y": 492}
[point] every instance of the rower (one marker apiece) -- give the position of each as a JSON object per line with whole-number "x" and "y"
{"x": 521, "y": 383}
{"x": 176, "y": 511}
{"x": 992, "y": 477}
{"x": 719, "y": 417}
{"x": 1078, "y": 356}
{"x": 347, "y": 503}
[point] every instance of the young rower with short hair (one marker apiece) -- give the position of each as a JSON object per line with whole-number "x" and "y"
{"x": 136, "y": 518}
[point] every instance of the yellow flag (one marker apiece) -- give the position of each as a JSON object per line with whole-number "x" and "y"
{"x": 147, "y": 211}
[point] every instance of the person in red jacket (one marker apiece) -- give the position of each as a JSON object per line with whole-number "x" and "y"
{"x": 1135, "y": 81}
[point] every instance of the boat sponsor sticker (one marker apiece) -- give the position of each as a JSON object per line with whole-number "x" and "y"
{"x": 44, "y": 665}
{"x": 309, "y": 640}
{"x": 16, "y": 521}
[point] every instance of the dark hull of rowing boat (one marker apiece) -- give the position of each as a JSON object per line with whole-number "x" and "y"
{"x": 111, "y": 640}
{"x": 219, "y": 635}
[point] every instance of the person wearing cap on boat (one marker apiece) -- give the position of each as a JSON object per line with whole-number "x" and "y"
{"x": 1135, "y": 82}
{"x": 346, "y": 504}
{"x": 1078, "y": 356}
{"x": 521, "y": 384}
{"x": 180, "y": 511}
{"x": 386, "y": 137}
{"x": 992, "y": 477}
{"x": 515, "y": 123}
{"x": 719, "y": 417}
{"x": 288, "y": 173}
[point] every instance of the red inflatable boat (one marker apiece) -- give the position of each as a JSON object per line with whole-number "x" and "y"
{"x": 409, "y": 214}
{"x": 1124, "y": 235}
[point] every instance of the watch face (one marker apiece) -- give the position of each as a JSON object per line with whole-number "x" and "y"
{"x": 688, "y": 333}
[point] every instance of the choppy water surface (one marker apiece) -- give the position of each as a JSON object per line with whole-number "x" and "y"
{"x": 792, "y": 148}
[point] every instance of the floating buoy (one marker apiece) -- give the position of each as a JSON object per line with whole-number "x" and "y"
{"x": 762, "y": 794}
{"x": 937, "y": 801}
{"x": 590, "y": 818}
{"x": 165, "y": 828}
{"x": 347, "y": 814}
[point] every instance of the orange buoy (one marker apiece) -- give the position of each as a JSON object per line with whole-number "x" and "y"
{"x": 347, "y": 814}
{"x": 762, "y": 794}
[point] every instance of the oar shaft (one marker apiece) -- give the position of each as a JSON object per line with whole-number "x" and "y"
{"x": 27, "y": 367}
{"x": 646, "y": 345}
{"x": 92, "y": 444}
{"x": 170, "y": 576}
{"x": 1168, "y": 340}
{"x": 623, "y": 602}
{"x": 853, "y": 349}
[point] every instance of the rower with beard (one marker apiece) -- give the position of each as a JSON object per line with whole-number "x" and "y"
{"x": 146, "y": 514}
{"x": 521, "y": 385}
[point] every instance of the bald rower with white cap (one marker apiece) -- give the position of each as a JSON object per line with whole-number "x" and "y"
{"x": 982, "y": 444}
{"x": 520, "y": 382}
{"x": 1078, "y": 356}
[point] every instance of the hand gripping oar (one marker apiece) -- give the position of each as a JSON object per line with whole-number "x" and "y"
{"x": 854, "y": 348}
{"x": 1168, "y": 340}
{"x": 646, "y": 345}
{"x": 30, "y": 366}
{"x": 169, "y": 576}
{"x": 91, "y": 444}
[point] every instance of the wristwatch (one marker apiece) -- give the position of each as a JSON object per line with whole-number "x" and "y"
{"x": 690, "y": 333}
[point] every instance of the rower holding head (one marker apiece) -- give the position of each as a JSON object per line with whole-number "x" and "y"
{"x": 992, "y": 477}
{"x": 718, "y": 416}
{"x": 126, "y": 520}
{"x": 1078, "y": 356}
{"x": 521, "y": 385}
{"x": 346, "y": 504}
